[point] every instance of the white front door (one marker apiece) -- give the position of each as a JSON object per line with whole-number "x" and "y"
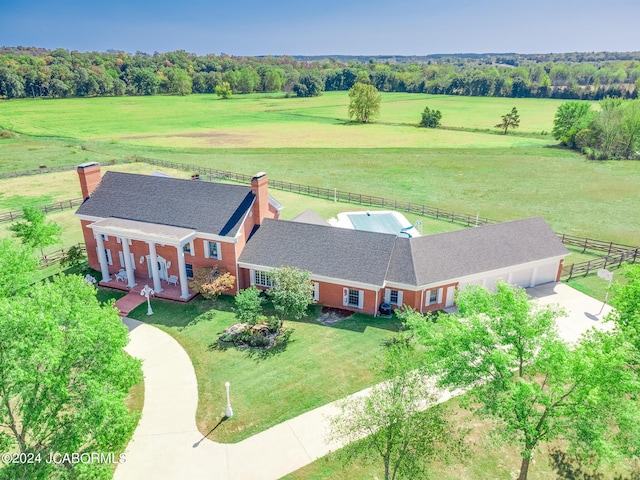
{"x": 162, "y": 267}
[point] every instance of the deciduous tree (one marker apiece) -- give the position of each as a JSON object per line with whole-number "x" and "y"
{"x": 571, "y": 117}
{"x": 180, "y": 82}
{"x": 364, "y": 102}
{"x": 397, "y": 423}
{"x": 626, "y": 299}
{"x": 34, "y": 231}
{"x": 223, "y": 90}
{"x": 534, "y": 385}
{"x": 18, "y": 266}
{"x": 64, "y": 378}
{"x": 292, "y": 292}
{"x": 510, "y": 120}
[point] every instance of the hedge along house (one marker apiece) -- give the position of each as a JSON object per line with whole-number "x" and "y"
{"x": 158, "y": 230}
{"x": 357, "y": 270}
{"x": 140, "y": 228}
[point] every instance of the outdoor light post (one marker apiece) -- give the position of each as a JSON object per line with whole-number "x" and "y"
{"x": 229, "y": 410}
{"x": 605, "y": 275}
{"x": 147, "y": 291}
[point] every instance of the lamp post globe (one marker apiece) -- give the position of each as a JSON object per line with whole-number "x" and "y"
{"x": 147, "y": 291}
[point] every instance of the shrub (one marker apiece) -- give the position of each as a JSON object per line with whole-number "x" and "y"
{"x": 73, "y": 257}
{"x": 249, "y": 305}
{"x": 430, "y": 118}
{"x": 211, "y": 282}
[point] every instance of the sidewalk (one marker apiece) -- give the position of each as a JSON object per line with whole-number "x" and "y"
{"x": 167, "y": 444}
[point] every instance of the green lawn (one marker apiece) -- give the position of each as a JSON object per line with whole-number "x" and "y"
{"x": 319, "y": 364}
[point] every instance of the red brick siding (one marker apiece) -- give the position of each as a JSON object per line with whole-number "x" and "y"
{"x": 437, "y": 306}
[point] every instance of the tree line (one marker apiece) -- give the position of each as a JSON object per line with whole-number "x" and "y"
{"x": 37, "y": 72}
{"x": 612, "y": 132}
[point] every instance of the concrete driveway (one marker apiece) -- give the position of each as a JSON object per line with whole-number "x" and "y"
{"x": 582, "y": 310}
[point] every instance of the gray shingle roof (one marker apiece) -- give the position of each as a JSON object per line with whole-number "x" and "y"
{"x": 206, "y": 207}
{"x": 348, "y": 255}
{"x": 445, "y": 256}
{"x": 310, "y": 216}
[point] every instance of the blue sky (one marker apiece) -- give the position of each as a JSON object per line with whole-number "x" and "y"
{"x": 374, "y": 27}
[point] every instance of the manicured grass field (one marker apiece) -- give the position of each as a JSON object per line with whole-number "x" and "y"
{"x": 319, "y": 364}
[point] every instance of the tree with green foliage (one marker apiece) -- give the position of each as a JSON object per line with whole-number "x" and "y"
{"x": 535, "y": 386}
{"x": 626, "y": 299}
{"x": 510, "y": 120}
{"x": 248, "y": 305}
{"x": 272, "y": 81}
{"x": 34, "y": 231}
{"x": 364, "y": 103}
{"x": 73, "y": 257}
{"x": 310, "y": 84}
{"x": 64, "y": 378}
{"x": 292, "y": 292}
{"x": 431, "y": 118}
{"x": 18, "y": 267}
{"x": 223, "y": 90}
{"x": 571, "y": 118}
{"x": 398, "y": 422}
{"x": 180, "y": 82}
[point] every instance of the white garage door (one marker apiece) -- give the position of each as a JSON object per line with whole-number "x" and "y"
{"x": 546, "y": 273}
{"x": 522, "y": 278}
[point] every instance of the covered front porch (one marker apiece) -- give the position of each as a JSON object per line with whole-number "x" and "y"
{"x": 141, "y": 262}
{"x": 169, "y": 291}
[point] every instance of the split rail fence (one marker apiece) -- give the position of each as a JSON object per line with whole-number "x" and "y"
{"x": 615, "y": 254}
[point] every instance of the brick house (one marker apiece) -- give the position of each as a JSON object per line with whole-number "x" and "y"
{"x": 158, "y": 229}
{"x": 162, "y": 229}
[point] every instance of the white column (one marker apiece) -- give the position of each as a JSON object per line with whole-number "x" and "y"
{"x": 102, "y": 258}
{"x": 182, "y": 271}
{"x": 153, "y": 258}
{"x": 131, "y": 279}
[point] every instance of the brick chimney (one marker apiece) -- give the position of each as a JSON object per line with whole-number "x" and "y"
{"x": 90, "y": 177}
{"x": 259, "y": 187}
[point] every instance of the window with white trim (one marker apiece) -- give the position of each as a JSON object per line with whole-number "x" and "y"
{"x": 393, "y": 297}
{"x": 354, "y": 298}
{"x": 189, "y": 268}
{"x": 316, "y": 291}
{"x": 212, "y": 250}
{"x": 263, "y": 279}
{"x": 107, "y": 252}
{"x": 188, "y": 248}
{"x": 433, "y": 296}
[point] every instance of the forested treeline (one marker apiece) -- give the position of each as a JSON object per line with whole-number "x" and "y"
{"x": 36, "y": 72}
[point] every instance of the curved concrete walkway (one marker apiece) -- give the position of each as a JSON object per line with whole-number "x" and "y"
{"x": 168, "y": 445}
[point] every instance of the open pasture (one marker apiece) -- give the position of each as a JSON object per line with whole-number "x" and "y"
{"x": 273, "y": 121}
{"x": 505, "y": 177}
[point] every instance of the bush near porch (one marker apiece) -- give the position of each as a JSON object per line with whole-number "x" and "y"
{"x": 318, "y": 364}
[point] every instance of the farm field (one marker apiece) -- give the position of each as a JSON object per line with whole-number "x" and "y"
{"x": 272, "y": 121}
{"x": 455, "y": 168}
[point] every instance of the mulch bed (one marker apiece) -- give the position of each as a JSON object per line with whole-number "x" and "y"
{"x": 332, "y": 315}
